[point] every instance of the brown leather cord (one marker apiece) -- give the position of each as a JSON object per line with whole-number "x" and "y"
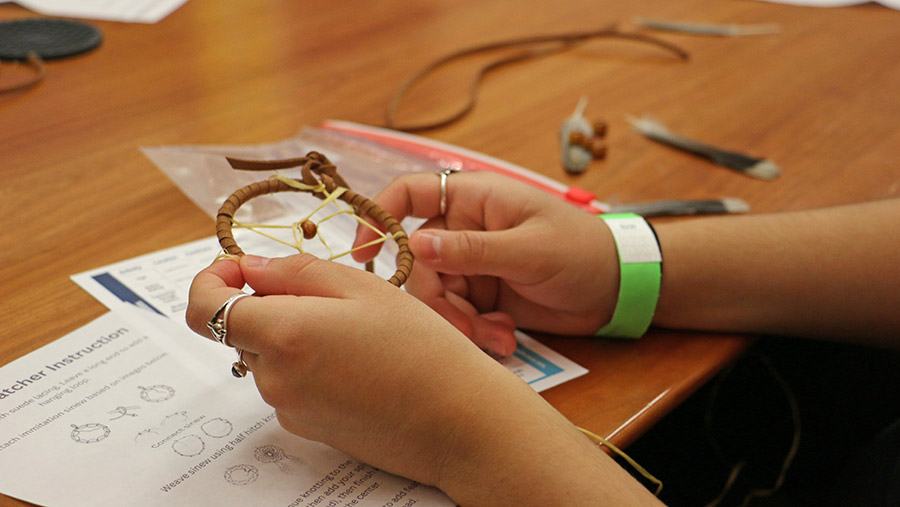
{"x": 561, "y": 41}
{"x": 37, "y": 65}
{"x": 315, "y": 169}
{"x": 313, "y": 162}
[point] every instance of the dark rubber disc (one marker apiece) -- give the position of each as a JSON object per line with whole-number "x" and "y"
{"x": 49, "y": 38}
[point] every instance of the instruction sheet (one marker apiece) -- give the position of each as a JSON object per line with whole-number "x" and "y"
{"x": 113, "y": 415}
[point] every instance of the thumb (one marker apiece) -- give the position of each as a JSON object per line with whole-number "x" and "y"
{"x": 493, "y": 253}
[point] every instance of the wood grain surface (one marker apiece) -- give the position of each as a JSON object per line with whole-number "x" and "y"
{"x": 821, "y": 98}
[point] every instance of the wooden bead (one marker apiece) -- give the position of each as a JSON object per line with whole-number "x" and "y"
{"x": 598, "y": 148}
{"x": 600, "y": 128}
{"x": 309, "y": 229}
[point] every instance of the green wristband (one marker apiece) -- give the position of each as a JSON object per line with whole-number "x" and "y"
{"x": 640, "y": 272}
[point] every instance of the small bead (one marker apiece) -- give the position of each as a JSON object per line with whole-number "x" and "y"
{"x": 309, "y": 229}
{"x": 598, "y": 148}
{"x": 600, "y": 128}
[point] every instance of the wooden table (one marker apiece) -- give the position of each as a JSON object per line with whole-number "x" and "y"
{"x": 821, "y": 98}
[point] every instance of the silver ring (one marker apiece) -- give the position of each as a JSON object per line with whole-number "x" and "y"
{"x": 217, "y": 324}
{"x": 239, "y": 368}
{"x": 444, "y": 173}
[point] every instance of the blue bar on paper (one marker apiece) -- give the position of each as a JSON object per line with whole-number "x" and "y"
{"x": 536, "y": 361}
{"x": 122, "y": 292}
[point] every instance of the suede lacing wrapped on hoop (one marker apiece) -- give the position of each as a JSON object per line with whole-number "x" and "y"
{"x": 320, "y": 178}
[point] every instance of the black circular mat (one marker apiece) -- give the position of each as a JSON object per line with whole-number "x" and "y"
{"x": 49, "y": 38}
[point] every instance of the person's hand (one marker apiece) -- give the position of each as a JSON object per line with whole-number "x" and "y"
{"x": 347, "y": 359}
{"x": 505, "y": 255}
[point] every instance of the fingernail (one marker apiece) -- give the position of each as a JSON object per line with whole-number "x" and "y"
{"x": 254, "y": 261}
{"x": 497, "y": 350}
{"x": 501, "y": 347}
{"x": 429, "y": 245}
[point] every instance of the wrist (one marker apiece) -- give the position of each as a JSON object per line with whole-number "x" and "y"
{"x": 640, "y": 275}
{"x": 494, "y": 455}
{"x": 530, "y": 454}
{"x": 477, "y": 448}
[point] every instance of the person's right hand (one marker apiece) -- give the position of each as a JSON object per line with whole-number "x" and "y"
{"x": 505, "y": 255}
{"x": 347, "y": 359}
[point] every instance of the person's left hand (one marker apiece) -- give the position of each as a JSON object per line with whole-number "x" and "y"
{"x": 504, "y": 254}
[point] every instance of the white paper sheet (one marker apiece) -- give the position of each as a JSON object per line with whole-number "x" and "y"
{"x": 110, "y": 415}
{"x": 131, "y": 11}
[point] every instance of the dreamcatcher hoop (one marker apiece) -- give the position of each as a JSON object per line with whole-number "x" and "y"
{"x": 320, "y": 178}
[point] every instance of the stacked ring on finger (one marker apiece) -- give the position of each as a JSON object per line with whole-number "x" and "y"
{"x": 239, "y": 368}
{"x": 218, "y": 326}
{"x": 219, "y": 322}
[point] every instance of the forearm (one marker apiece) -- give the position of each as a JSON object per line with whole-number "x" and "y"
{"x": 829, "y": 273}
